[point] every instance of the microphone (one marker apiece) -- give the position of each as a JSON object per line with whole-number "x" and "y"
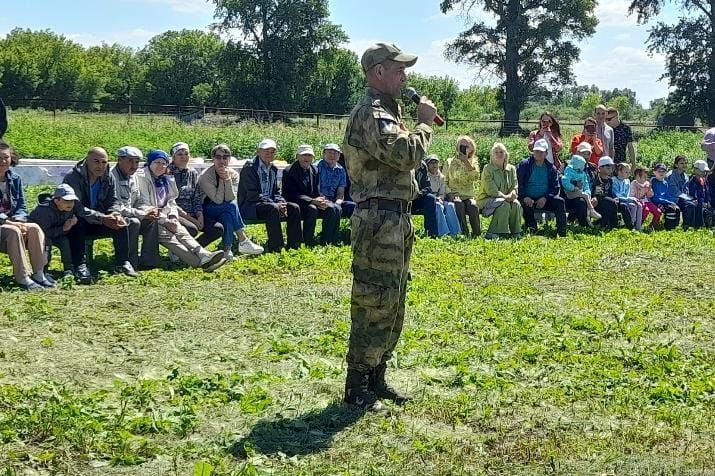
{"x": 412, "y": 94}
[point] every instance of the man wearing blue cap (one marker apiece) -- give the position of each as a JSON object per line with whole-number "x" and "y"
{"x": 99, "y": 215}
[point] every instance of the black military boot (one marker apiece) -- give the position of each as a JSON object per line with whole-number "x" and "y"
{"x": 383, "y": 390}
{"x": 358, "y": 393}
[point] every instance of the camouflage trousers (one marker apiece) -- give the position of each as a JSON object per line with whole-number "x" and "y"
{"x": 382, "y": 244}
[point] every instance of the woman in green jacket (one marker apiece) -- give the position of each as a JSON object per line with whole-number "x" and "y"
{"x": 498, "y": 195}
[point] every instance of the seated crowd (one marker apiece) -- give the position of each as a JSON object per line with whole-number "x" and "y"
{"x": 172, "y": 205}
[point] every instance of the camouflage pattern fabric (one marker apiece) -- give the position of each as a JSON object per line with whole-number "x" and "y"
{"x": 381, "y": 156}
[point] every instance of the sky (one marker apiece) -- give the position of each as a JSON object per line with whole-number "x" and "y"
{"x": 615, "y": 57}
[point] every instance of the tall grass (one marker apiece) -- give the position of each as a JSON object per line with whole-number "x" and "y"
{"x": 40, "y": 134}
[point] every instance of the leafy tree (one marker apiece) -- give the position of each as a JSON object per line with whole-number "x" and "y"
{"x": 589, "y": 103}
{"x": 527, "y": 46}
{"x": 119, "y": 70}
{"x": 689, "y": 47}
{"x": 177, "y": 61}
{"x": 624, "y": 104}
{"x": 337, "y": 83}
{"x": 279, "y": 43}
{"x": 476, "y": 102}
{"x": 39, "y": 64}
{"x": 442, "y": 90}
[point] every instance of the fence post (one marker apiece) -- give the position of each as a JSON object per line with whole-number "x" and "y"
{"x": 54, "y": 109}
{"x": 446, "y": 123}
{"x": 129, "y": 112}
{"x": 317, "y": 121}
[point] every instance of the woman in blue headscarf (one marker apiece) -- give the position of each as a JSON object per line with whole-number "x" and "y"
{"x": 159, "y": 190}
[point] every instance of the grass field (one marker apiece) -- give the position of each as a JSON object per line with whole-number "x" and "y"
{"x": 39, "y": 134}
{"x": 593, "y": 354}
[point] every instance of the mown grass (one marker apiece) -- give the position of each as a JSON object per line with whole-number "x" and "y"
{"x": 68, "y": 136}
{"x": 592, "y": 354}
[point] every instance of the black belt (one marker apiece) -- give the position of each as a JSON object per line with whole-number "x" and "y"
{"x": 390, "y": 205}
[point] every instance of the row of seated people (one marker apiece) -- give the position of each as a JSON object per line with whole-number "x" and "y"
{"x": 454, "y": 196}
{"x": 168, "y": 204}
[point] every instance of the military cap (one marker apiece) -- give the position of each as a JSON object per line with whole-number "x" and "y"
{"x": 380, "y": 52}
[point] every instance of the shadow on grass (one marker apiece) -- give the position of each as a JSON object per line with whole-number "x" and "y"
{"x": 305, "y": 434}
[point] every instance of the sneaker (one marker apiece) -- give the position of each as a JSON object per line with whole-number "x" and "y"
{"x": 594, "y": 214}
{"x": 228, "y": 255}
{"x": 127, "y": 270}
{"x": 82, "y": 274}
{"x": 31, "y": 286}
{"x": 48, "y": 282}
{"x": 249, "y": 248}
{"x": 212, "y": 261}
{"x": 216, "y": 265}
{"x": 491, "y": 236}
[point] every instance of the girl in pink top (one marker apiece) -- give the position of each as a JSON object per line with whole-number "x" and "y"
{"x": 641, "y": 189}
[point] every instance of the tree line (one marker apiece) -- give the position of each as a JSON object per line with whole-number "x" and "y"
{"x": 285, "y": 55}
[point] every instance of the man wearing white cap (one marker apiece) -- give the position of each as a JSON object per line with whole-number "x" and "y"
{"x": 301, "y": 186}
{"x": 334, "y": 179}
{"x": 139, "y": 215}
{"x": 539, "y": 188}
{"x": 259, "y": 198}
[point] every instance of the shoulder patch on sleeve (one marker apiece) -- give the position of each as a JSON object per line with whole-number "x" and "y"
{"x": 386, "y": 122}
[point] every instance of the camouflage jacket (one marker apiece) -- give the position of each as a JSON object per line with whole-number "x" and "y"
{"x": 381, "y": 155}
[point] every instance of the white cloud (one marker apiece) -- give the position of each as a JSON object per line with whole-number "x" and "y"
{"x": 135, "y": 38}
{"x": 433, "y": 63}
{"x": 625, "y": 67}
{"x": 614, "y": 13}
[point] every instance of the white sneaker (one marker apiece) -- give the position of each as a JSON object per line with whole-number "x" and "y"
{"x": 594, "y": 214}
{"x": 228, "y": 255}
{"x": 248, "y": 247}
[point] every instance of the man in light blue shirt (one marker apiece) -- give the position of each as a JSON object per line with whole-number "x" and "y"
{"x": 333, "y": 179}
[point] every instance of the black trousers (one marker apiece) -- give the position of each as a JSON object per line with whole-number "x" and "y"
{"x": 331, "y": 222}
{"x": 83, "y": 231}
{"x": 555, "y": 205}
{"x": 270, "y": 213}
{"x": 608, "y": 208}
{"x": 578, "y": 209}
{"x": 62, "y": 243}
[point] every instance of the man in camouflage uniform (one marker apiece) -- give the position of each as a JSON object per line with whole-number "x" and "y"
{"x": 381, "y": 156}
